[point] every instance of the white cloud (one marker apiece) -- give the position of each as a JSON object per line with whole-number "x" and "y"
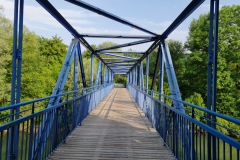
{"x": 179, "y": 35}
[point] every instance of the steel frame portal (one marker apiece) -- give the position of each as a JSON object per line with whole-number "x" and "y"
{"x": 108, "y": 67}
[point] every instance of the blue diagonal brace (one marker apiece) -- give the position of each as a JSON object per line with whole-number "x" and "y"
{"x": 81, "y": 64}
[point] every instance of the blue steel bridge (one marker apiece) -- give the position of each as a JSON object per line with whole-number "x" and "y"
{"x": 103, "y": 122}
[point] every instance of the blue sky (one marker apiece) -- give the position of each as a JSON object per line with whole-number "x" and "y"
{"x": 154, "y": 15}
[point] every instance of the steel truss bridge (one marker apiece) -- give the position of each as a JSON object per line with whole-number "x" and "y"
{"x": 100, "y": 122}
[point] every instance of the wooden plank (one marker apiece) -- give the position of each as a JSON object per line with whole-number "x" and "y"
{"x": 115, "y": 129}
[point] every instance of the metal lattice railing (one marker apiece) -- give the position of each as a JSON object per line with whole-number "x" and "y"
{"x": 32, "y": 140}
{"x": 184, "y": 133}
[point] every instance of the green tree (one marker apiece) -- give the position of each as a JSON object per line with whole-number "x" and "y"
{"x": 228, "y": 60}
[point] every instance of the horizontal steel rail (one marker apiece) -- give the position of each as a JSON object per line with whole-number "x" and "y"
{"x": 173, "y": 126}
{"x": 62, "y": 124}
{"x": 116, "y": 36}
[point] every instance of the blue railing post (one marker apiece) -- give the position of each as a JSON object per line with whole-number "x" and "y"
{"x": 30, "y": 148}
{"x": 165, "y": 123}
{"x": 16, "y": 76}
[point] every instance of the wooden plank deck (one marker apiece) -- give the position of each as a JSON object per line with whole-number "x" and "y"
{"x": 115, "y": 129}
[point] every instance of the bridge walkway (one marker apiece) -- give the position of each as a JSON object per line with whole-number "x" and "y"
{"x": 115, "y": 129}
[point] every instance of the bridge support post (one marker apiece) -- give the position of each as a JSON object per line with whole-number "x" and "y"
{"x": 172, "y": 79}
{"x": 98, "y": 80}
{"x": 103, "y": 74}
{"x": 156, "y": 69}
{"x": 16, "y": 76}
{"x": 141, "y": 77}
{"x": 75, "y": 88}
{"x": 161, "y": 74}
{"x": 81, "y": 64}
{"x": 212, "y": 73}
{"x": 147, "y": 72}
{"x": 92, "y": 69}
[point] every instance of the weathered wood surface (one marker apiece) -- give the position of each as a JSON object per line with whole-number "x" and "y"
{"x": 115, "y": 129}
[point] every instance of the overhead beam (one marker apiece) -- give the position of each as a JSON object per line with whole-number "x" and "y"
{"x": 150, "y": 49}
{"x": 120, "y": 52}
{"x": 124, "y": 45}
{"x": 120, "y": 58}
{"x": 115, "y": 55}
{"x": 89, "y": 35}
{"x": 108, "y": 15}
{"x": 185, "y": 13}
{"x": 49, "y": 7}
{"x": 124, "y": 64}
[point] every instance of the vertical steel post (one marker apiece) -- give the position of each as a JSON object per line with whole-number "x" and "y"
{"x": 214, "y": 99}
{"x": 109, "y": 73}
{"x": 98, "y": 73}
{"x": 92, "y": 69}
{"x": 81, "y": 65}
{"x": 16, "y": 76}
{"x": 103, "y": 74}
{"x": 147, "y": 72}
{"x": 156, "y": 68}
{"x": 142, "y": 79}
{"x": 138, "y": 75}
{"x": 75, "y": 87}
{"x": 75, "y": 73}
{"x": 212, "y": 72}
{"x": 161, "y": 75}
{"x": 209, "y": 76}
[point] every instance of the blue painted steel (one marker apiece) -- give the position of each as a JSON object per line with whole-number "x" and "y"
{"x": 102, "y": 74}
{"x": 75, "y": 86}
{"x": 47, "y": 120}
{"x": 161, "y": 74}
{"x": 124, "y": 45}
{"x": 75, "y": 72}
{"x": 149, "y": 50}
{"x": 179, "y": 128}
{"x": 81, "y": 64}
{"x": 16, "y": 76}
{"x": 92, "y": 70}
{"x": 147, "y": 71}
{"x": 115, "y": 55}
{"x": 49, "y": 7}
{"x": 63, "y": 73}
{"x": 121, "y": 52}
{"x": 212, "y": 71}
{"x": 108, "y": 15}
{"x": 141, "y": 77}
{"x": 157, "y": 113}
{"x": 116, "y": 36}
{"x": 156, "y": 68}
{"x": 172, "y": 79}
{"x": 61, "y": 125}
{"x": 98, "y": 78}
{"x": 122, "y": 61}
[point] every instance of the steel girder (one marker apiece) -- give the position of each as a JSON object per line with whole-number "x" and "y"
{"x": 212, "y": 73}
{"x": 125, "y": 45}
{"x": 49, "y": 7}
{"x": 16, "y": 76}
{"x": 116, "y": 36}
{"x": 120, "y": 52}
